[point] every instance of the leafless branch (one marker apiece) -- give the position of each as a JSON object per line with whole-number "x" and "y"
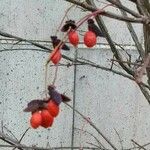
{"x": 120, "y": 140}
{"x": 124, "y": 8}
{"x": 138, "y": 145}
{"x": 86, "y": 132}
{"x": 22, "y": 137}
{"x": 139, "y": 19}
{"x": 133, "y": 34}
{"x": 93, "y": 125}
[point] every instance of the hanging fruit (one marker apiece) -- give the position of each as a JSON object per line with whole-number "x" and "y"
{"x": 47, "y": 119}
{"x": 44, "y": 110}
{"x": 36, "y": 120}
{"x": 73, "y": 38}
{"x": 55, "y": 56}
{"x": 90, "y": 39}
{"x": 53, "y": 108}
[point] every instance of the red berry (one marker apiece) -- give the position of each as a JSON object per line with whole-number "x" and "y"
{"x": 55, "y": 56}
{"x": 36, "y": 120}
{"x": 89, "y": 39}
{"x": 47, "y": 119}
{"x": 53, "y": 108}
{"x": 73, "y": 38}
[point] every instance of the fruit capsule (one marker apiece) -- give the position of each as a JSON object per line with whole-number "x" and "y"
{"x": 90, "y": 39}
{"x": 55, "y": 56}
{"x": 73, "y": 38}
{"x": 36, "y": 120}
{"x": 47, "y": 119}
{"x": 53, "y": 108}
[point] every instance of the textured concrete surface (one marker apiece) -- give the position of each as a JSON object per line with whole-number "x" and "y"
{"x": 110, "y": 101}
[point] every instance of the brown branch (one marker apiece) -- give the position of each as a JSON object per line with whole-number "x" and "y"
{"x": 91, "y": 7}
{"x": 144, "y": 7}
{"x": 125, "y": 18}
{"x": 80, "y": 62}
{"x": 133, "y": 34}
{"x": 116, "y": 53}
{"x": 139, "y": 19}
{"x": 124, "y": 8}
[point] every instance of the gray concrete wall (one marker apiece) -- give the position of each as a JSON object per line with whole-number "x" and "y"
{"x": 110, "y": 101}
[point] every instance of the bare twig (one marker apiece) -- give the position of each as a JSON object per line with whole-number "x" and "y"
{"x": 93, "y": 125}
{"x": 133, "y": 34}
{"x": 22, "y": 136}
{"x": 116, "y": 53}
{"x": 139, "y": 19}
{"x": 86, "y": 132}
{"x": 11, "y": 141}
{"x": 64, "y": 18}
{"x": 120, "y": 140}
{"x": 138, "y": 145}
{"x": 124, "y": 8}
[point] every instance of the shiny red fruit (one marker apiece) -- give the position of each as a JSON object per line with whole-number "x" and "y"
{"x": 55, "y": 56}
{"x": 89, "y": 39}
{"x": 36, "y": 120}
{"x": 47, "y": 119}
{"x": 53, "y": 108}
{"x": 73, "y": 38}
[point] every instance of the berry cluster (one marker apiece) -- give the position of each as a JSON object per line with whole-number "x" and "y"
{"x": 45, "y": 117}
{"x": 45, "y": 110}
{"x": 90, "y": 38}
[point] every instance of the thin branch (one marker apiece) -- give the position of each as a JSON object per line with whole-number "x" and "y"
{"x": 139, "y": 19}
{"x": 11, "y": 141}
{"x": 31, "y": 42}
{"x": 81, "y": 62}
{"x": 138, "y": 145}
{"x": 4, "y": 34}
{"x": 124, "y": 8}
{"x": 133, "y": 34}
{"x": 10, "y": 132}
{"x": 86, "y": 132}
{"x": 116, "y": 53}
{"x": 125, "y": 18}
{"x": 22, "y": 137}
{"x": 119, "y": 139}
{"x": 92, "y": 144}
{"x": 64, "y": 18}
{"x": 93, "y": 125}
